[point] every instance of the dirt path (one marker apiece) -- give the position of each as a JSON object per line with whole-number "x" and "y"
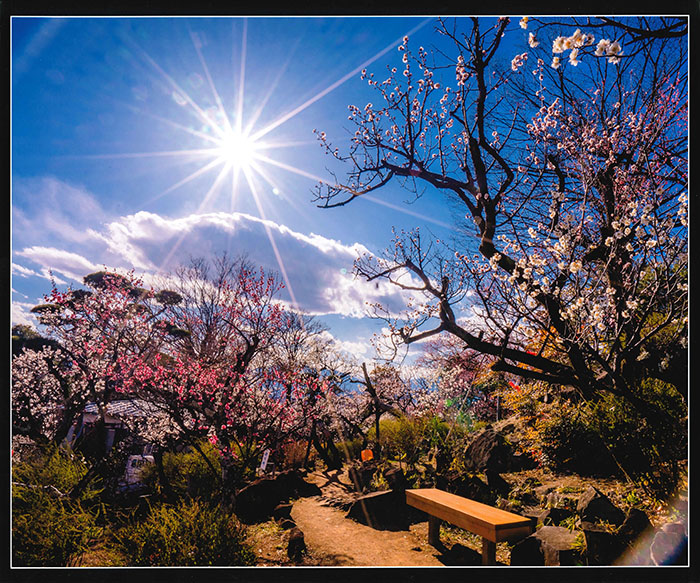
{"x": 336, "y": 540}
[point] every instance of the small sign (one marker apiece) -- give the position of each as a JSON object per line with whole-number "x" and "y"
{"x": 265, "y": 457}
{"x": 366, "y": 455}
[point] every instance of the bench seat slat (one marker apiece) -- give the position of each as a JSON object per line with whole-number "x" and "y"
{"x": 491, "y": 523}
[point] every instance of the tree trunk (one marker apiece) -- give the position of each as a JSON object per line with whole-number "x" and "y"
{"x": 168, "y": 493}
{"x": 92, "y": 472}
{"x": 377, "y": 447}
{"x": 325, "y": 454}
{"x": 308, "y": 445}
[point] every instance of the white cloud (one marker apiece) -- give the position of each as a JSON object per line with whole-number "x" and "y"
{"x": 71, "y": 265}
{"x": 64, "y": 232}
{"x": 318, "y": 268}
{"x": 47, "y": 209}
{"x": 21, "y": 314}
{"x": 22, "y": 271}
{"x": 360, "y": 349}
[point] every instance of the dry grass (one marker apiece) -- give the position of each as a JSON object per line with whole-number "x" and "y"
{"x": 100, "y": 555}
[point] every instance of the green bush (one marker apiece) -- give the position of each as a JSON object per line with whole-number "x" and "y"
{"x": 648, "y": 450}
{"x": 55, "y": 467}
{"x": 466, "y": 423}
{"x": 47, "y": 531}
{"x": 436, "y": 430}
{"x": 408, "y": 438}
{"x": 401, "y": 438}
{"x": 188, "y": 474}
{"x": 610, "y": 436}
{"x": 47, "y": 526}
{"x": 190, "y": 533}
{"x": 351, "y": 448}
{"x": 569, "y": 443}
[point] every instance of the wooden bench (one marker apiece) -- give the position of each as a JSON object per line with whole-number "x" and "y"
{"x": 492, "y": 524}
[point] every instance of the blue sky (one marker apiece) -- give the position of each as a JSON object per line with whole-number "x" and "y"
{"x": 114, "y": 161}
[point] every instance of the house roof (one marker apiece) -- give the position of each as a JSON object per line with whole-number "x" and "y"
{"x": 126, "y": 408}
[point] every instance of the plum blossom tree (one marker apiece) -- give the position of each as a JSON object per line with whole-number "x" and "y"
{"x": 305, "y": 349}
{"x": 97, "y": 337}
{"x": 461, "y": 379}
{"x": 41, "y": 403}
{"x": 572, "y": 177}
{"x": 200, "y": 357}
{"x": 219, "y": 378}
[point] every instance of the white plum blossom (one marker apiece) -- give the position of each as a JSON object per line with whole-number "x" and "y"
{"x": 518, "y": 61}
{"x": 573, "y": 57}
{"x": 612, "y": 50}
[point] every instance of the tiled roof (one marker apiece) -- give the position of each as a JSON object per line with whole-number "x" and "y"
{"x": 126, "y": 408}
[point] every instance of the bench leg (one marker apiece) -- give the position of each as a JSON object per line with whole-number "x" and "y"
{"x": 434, "y": 531}
{"x": 488, "y": 552}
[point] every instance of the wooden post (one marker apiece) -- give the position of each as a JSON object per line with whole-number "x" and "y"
{"x": 488, "y": 552}
{"x": 434, "y": 531}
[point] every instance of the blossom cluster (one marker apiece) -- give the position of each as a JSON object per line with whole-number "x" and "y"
{"x": 575, "y": 44}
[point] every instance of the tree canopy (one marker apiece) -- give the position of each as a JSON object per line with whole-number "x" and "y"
{"x": 563, "y": 145}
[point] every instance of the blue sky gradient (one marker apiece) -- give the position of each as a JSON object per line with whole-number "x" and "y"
{"x": 110, "y": 120}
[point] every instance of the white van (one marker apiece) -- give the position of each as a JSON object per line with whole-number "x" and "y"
{"x": 134, "y": 467}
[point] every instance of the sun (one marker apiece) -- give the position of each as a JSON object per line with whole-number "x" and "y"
{"x": 236, "y": 149}
{"x": 230, "y": 149}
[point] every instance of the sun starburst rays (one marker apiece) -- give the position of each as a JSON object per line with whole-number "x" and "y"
{"x": 234, "y": 150}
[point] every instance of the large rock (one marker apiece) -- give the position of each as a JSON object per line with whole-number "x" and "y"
{"x": 635, "y": 524}
{"x": 468, "y": 486}
{"x": 541, "y": 492}
{"x": 550, "y": 545}
{"x": 636, "y": 533}
{"x": 497, "y": 483}
{"x": 594, "y": 506}
{"x": 602, "y": 546}
{"x": 293, "y": 485}
{"x": 282, "y": 511}
{"x": 257, "y": 501}
{"x": 553, "y": 516}
{"x": 531, "y": 512}
{"x": 296, "y": 545}
{"x": 559, "y": 500}
{"x": 396, "y": 479}
{"x": 489, "y": 450}
{"x": 526, "y": 492}
{"x": 670, "y": 545}
{"x": 385, "y": 510}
